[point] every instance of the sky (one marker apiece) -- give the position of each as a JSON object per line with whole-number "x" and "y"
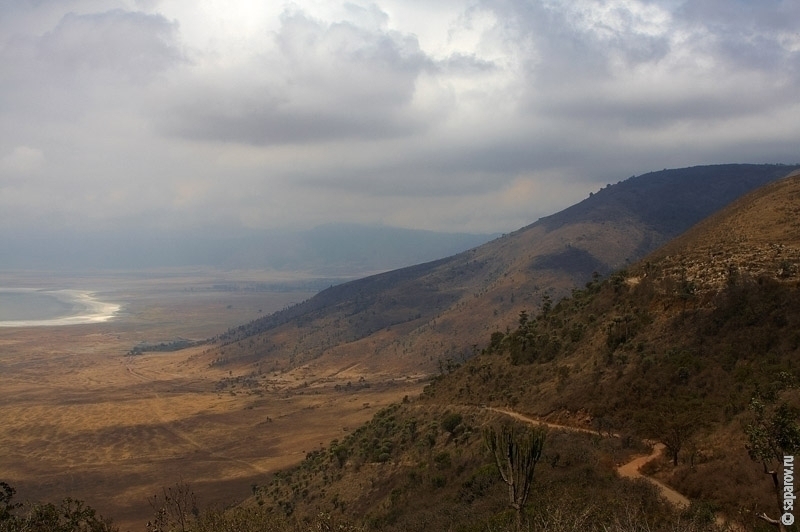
{"x": 443, "y": 115}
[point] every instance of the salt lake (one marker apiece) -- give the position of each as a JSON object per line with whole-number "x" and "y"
{"x": 28, "y": 307}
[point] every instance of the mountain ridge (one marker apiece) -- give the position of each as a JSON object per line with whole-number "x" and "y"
{"x": 406, "y": 321}
{"x": 650, "y": 352}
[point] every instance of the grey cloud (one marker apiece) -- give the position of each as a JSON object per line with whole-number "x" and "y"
{"x": 492, "y": 116}
{"x": 465, "y": 64}
{"x": 450, "y": 171}
{"x": 576, "y": 70}
{"x": 548, "y": 41}
{"x": 266, "y": 122}
{"x": 651, "y": 111}
{"x": 368, "y": 17}
{"x": 136, "y": 45}
{"x": 326, "y": 82}
{"x": 746, "y": 34}
{"x": 741, "y": 17}
{"x": 568, "y": 70}
{"x": 82, "y": 62}
{"x": 411, "y": 181}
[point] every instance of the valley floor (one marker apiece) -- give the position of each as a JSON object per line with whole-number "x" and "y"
{"x": 81, "y": 419}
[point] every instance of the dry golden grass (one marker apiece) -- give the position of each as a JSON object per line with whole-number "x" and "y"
{"x": 81, "y": 419}
{"x": 757, "y": 234}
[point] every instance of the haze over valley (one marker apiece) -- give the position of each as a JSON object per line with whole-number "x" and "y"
{"x": 314, "y": 266}
{"x": 335, "y": 251}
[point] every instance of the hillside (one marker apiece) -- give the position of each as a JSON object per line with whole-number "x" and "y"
{"x": 414, "y": 320}
{"x": 665, "y": 350}
{"x": 675, "y": 347}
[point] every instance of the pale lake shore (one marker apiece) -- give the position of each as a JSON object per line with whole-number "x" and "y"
{"x": 29, "y": 307}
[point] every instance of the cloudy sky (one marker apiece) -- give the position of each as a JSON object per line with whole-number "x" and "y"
{"x": 446, "y": 115}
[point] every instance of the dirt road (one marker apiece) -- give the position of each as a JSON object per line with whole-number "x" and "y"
{"x": 627, "y": 470}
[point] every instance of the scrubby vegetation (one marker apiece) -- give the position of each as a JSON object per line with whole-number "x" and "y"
{"x": 644, "y": 354}
{"x": 164, "y": 347}
{"x": 405, "y": 471}
{"x": 652, "y": 353}
{"x": 68, "y": 516}
{"x": 638, "y": 355}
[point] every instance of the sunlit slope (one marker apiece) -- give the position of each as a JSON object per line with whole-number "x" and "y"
{"x": 758, "y": 234}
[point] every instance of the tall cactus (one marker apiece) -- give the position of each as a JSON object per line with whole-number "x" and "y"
{"x": 516, "y": 453}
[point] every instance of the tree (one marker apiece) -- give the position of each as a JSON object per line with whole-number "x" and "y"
{"x": 175, "y": 509}
{"x": 523, "y": 318}
{"x": 674, "y": 425}
{"x": 675, "y": 432}
{"x": 70, "y": 516}
{"x": 547, "y": 305}
{"x": 773, "y": 435}
{"x": 450, "y": 423}
{"x": 495, "y": 341}
{"x": 6, "y": 506}
{"x": 516, "y": 453}
{"x": 341, "y": 453}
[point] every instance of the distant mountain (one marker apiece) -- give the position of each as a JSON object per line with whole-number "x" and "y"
{"x": 413, "y": 319}
{"x": 335, "y": 250}
{"x": 720, "y": 298}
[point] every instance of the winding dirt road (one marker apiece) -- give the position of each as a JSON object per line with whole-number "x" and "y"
{"x": 627, "y": 470}
{"x": 631, "y": 470}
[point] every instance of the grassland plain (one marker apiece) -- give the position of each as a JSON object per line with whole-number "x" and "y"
{"x": 81, "y": 419}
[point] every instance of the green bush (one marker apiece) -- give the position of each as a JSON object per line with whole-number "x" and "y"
{"x": 450, "y": 422}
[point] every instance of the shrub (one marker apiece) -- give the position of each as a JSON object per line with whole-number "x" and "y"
{"x": 451, "y": 422}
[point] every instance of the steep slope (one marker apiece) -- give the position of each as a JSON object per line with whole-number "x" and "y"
{"x": 757, "y": 234}
{"x": 412, "y": 320}
{"x": 665, "y": 350}
{"x": 740, "y": 266}
{"x": 673, "y": 348}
